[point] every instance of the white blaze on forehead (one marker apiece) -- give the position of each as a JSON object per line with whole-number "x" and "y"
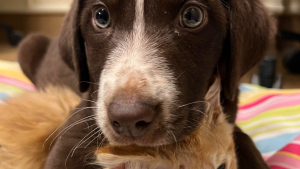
{"x": 136, "y": 56}
{"x": 139, "y": 24}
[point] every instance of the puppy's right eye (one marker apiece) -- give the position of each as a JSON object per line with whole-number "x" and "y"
{"x": 102, "y": 18}
{"x": 192, "y": 17}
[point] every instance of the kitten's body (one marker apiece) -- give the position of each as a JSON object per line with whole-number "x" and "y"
{"x": 25, "y": 123}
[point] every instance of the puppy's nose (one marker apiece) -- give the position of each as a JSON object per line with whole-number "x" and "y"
{"x": 131, "y": 120}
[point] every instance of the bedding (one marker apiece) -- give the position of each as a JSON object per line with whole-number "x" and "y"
{"x": 270, "y": 117}
{"x": 12, "y": 80}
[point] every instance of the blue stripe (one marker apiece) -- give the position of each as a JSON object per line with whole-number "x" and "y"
{"x": 275, "y": 143}
{"x": 4, "y": 96}
{"x": 245, "y": 88}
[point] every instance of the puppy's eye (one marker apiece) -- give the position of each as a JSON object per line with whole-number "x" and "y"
{"x": 192, "y": 17}
{"x": 223, "y": 166}
{"x": 102, "y": 18}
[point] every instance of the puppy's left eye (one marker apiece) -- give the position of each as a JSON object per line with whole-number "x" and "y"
{"x": 192, "y": 17}
{"x": 223, "y": 166}
{"x": 102, "y": 18}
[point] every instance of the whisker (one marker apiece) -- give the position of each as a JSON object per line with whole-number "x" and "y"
{"x": 100, "y": 133}
{"x": 174, "y": 137}
{"x": 84, "y": 120}
{"x": 69, "y": 155}
{"x": 90, "y": 83}
{"x": 179, "y": 75}
{"x": 191, "y": 103}
{"x": 102, "y": 142}
{"x": 96, "y": 128}
{"x": 61, "y": 133}
{"x": 64, "y": 123}
{"x": 89, "y": 100}
{"x": 91, "y": 126}
{"x": 94, "y": 93}
{"x": 98, "y": 139}
{"x": 199, "y": 112}
{"x": 85, "y": 141}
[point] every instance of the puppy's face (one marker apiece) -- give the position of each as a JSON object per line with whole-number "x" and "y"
{"x": 153, "y": 60}
{"x": 210, "y": 146}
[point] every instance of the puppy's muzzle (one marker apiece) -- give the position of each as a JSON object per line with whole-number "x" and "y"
{"x": 131, "y": 117}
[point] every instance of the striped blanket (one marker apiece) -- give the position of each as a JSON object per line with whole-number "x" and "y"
{"x": 270, "y": 117}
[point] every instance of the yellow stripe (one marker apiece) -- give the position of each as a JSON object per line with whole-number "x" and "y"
{"x": 11, "y": 90}
{"x": 9, "y": 65}
{"x": 280, "y": 112}
{"x": 269, "y": 123}
{"x": 14, "y": 74}
{"x": 274, "y": 129}
{"x": 288, "y": 154}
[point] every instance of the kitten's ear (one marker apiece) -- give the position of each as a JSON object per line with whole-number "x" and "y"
{"x": 214, "y": 109}
{"x": 213, "y": 95}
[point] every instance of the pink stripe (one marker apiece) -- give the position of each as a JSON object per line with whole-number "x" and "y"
{"x": 266, "y": 157}
{"x": 257, "y": 101}
{"x": 297, "y": 139}
{"x": 273, "y": 103}
{"x": 277, "y": 167}
{"x": 284, "y": 159}
{"x": 16, "y": 82}
{"x": 292, "y": 148}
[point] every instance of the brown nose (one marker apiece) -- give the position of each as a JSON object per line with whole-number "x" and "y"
{"x": 131, "y": 120}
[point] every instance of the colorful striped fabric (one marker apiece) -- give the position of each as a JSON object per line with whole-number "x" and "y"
{"x": 272, "y": 119}
{"x": 12, "y": 80}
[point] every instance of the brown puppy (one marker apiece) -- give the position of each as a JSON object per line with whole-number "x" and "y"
{"x": 149, "y": 64}
{"x": 28, "y": 120}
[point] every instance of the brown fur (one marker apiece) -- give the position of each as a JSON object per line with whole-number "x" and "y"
{"x": 26, "y": 121}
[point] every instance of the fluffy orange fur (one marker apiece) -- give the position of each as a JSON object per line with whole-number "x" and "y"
{"x": 26, "y": 121}
{"x": 210, "y": 146}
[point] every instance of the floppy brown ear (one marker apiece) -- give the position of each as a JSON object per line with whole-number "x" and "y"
{"x": 72, "y": 47}
{"x": 250, "y": 33}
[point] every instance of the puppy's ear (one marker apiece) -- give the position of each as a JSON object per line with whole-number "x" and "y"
{"x": 72, "y": 47}
{"x": 251, "y": 31}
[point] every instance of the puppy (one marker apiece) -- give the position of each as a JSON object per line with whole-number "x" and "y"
{"x": 209, "y": 146}
{"x": 147, "y": 65}
{"x": 28, "y": 120}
